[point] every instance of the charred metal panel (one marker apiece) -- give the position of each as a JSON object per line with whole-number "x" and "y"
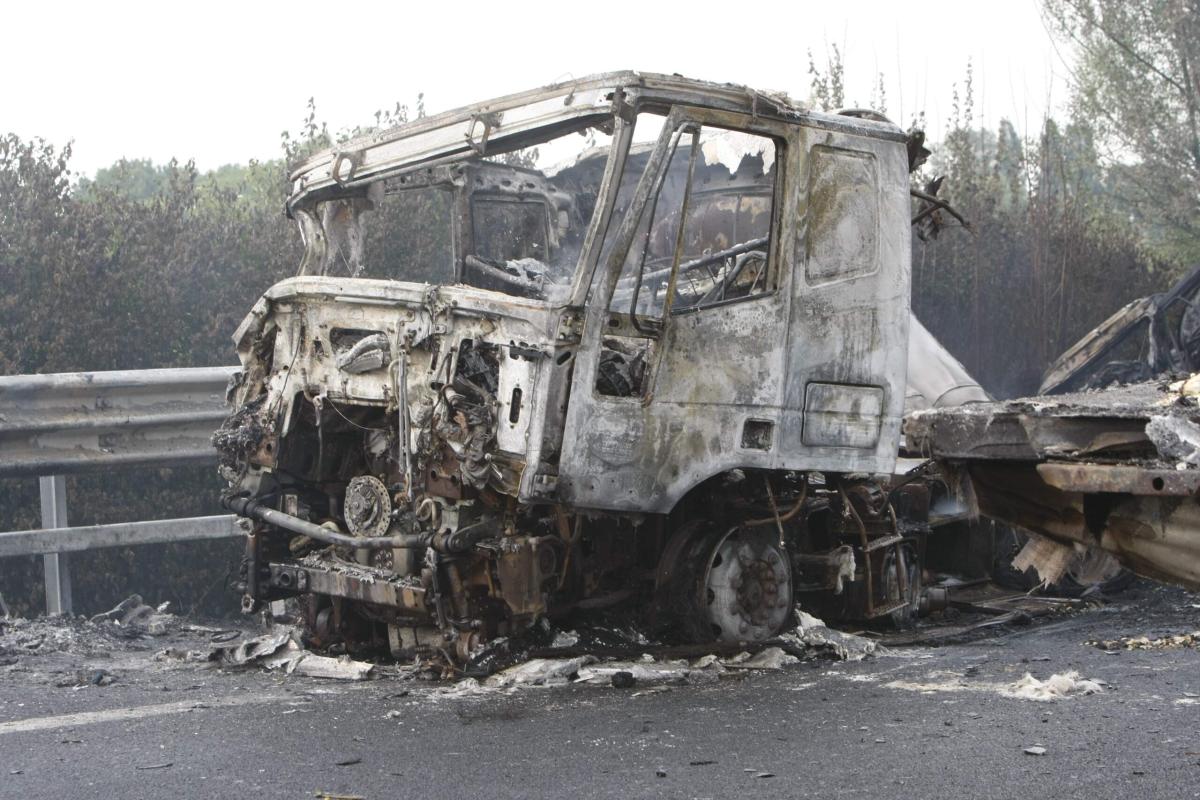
{"x": 715, "y": 368}
{"x": 843, "y": 229}
{"x": 1120, "y": 478}
{"x": 849, "y": 314}
{"x": 842, "y": 416}
{"x": 518, "y": 377}
{"x": 1149, "y": 336}
{"x": 1154, "y": 536}
{"x": 1032, "y": 429}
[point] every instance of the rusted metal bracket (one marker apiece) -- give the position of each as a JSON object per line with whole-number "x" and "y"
{"x": 490, "y": 120}
{"x": 347, "y": 162}
{"x": 1120, "y": 478}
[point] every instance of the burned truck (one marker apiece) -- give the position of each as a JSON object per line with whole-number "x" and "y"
{"x": 631, "y": 342}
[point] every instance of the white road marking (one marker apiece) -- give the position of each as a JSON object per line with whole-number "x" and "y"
{"x": 135, "y": 712}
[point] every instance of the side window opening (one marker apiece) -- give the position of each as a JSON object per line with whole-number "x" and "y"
{"x": 405, "y": 234}
{"x": 510, "y": 244}
{"x": 843, "y": 215}
{"x": 729, "y": 233}
{"x": 724, "y": 196}
{"x": 509, "y": 229}
{"x": 703, "y": 240}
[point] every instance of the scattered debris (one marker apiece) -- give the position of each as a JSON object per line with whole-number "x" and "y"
{"x": 539, "y": 672}
{"x": 647, "y": 671}
{"x": 770, "y": 658}
{"x": 1067, "y": 684}
{"x": 658, "y": 667}
{"x": 86, "y": 677}
{"x": 133, "y": 614}
{"x": 280, "y": 651}
{"x": 1049, "y": 558}
{"x": 63, "y": 634}
{"x": 341, "y": 668}
{"x": 623, "y": 680}
{"x": 1173, "y": 642}
{"x": 250, "y": 650}
{"x": 814, "y": 636}
{"x": 1059, "y": 686}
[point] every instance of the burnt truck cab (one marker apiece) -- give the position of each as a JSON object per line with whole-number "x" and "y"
{"x": 632, "y": 340}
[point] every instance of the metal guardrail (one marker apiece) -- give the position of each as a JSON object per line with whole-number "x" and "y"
{"x": 79, "y": 422}
{"x": 123, "y": 534}
{"x": 82, "y": 421}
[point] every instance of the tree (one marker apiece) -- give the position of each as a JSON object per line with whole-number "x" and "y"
{"x": 136, "y": 179}
{"x": 1137, "y": 80}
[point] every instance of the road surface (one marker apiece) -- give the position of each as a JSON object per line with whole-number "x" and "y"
{"x": 922, "y": 722}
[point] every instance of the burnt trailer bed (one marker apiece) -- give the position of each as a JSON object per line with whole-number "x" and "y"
{"x": 1116, "y": 469}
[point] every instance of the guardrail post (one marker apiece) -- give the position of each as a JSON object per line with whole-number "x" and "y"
{"x": 57, "y": 567}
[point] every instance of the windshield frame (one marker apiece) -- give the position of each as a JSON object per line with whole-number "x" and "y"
{"x": 609, "y": 101}
{"x": 349, "y": 208}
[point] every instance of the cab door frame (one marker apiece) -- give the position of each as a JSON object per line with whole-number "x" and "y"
{"x": 643, "y": 452}
{"x": 809, "y": 376}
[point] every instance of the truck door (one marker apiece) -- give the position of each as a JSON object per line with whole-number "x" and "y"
{"x": 847, "y": 335}
{"x": 698, "y": 354}
{"x": 682, "y": 342}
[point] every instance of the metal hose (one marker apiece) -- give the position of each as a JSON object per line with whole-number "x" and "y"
{"x": 458, "y": 541}
{"x": 248, "y": 507}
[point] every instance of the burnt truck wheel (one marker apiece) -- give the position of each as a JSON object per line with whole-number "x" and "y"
{"x": 733, "y": 585}
{"x": 907, "y": 564}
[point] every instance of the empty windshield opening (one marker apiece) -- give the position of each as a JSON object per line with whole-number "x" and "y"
{"x": 724, "y": 198}
{"x": 512, "y": 222}
{"x": 512, "y": 219}
{"x": 507, "y": 229}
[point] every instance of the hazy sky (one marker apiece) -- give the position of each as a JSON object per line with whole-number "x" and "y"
{"x": 217, "y": 81}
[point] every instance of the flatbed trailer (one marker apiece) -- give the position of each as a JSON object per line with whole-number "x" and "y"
{"x": 1115, "y": 469}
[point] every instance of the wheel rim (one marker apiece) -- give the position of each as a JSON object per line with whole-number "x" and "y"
{"x": 745, "y": 588}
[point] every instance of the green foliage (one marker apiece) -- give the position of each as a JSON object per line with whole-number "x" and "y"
{"x": 827, "y": 87}
{"x": 143, "y": 267}
{"x": 1136, "y": 82}
{"x": 138, "y": 179}
{"x": 1052, "y": 249}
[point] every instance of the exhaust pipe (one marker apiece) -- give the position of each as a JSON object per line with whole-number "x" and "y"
{"x": 459, "y": 541}
{"x": 248, "y": 507}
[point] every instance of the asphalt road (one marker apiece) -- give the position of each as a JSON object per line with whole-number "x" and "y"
{"x": 924, "y": 722}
